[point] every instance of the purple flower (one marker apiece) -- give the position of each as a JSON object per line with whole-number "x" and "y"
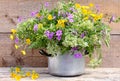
{"x": 72, "y": 9}
{"x": 58, "y": 33}
{"x": 112, "y": 19}
{"x": 49, "y": 34}
{"x": 59, "y": 38}
{"x": 19, "y": 19}
{"x": 78, "y": 55}
{"x": 16, "y": 40}
{"x": 71, "y": 20}
{"x": 97, "y": 8}
{"x": 34, "y": 13}
{"x": 35, "y": 28}
{"x": 82, "y": 35}
{"x": 70, "y": 16}
{"x": 46, "y": 4}
{"x": 74, "y": 48}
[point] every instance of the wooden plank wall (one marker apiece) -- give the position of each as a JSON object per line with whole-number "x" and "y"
{"x": 10, "y": 10}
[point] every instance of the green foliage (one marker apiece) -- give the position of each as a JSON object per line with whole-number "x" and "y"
{"x": 87, "y": 30}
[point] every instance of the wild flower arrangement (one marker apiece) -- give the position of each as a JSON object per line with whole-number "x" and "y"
{"x": 69, "y": 26}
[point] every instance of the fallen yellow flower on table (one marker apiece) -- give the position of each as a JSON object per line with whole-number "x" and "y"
{"x": 34, "y": 76}
{"x": 18, "y": 77}
{"x": 28, "y": 74}
{"x": 12, "y": 75}
{"x": 23, "y": 52}
{"x": 17, "y": 70}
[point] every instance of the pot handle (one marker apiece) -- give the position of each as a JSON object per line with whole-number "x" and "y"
{"x": 42, "y": 52}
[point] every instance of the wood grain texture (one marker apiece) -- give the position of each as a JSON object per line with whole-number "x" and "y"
{"x": 11, "y": 57}
{"x": 10, "y": 10}
{"x": 99, "y": 74}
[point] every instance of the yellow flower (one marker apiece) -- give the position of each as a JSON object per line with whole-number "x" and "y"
{"x": 28, "y": 41}
{"x": 16, "y": 46}
{"x": 12, "y": 75}
{"x": 85, "y": 7}
{"x": 84, "y": 11}
{"x": 61, "y": 23}
{"x": 11, "y": 37}
{"x": 91, "y": 5}
{"x": 77, "y": 5}
{"x": 35, "y": 76}
{"x": 93, "y": 15}
{"x": 13, "y": 31}
{"x": 17, "y": 69}
{"x": 23, "y": 52}
{"x": 28, "y": 74}
{"x": 101, "y": 15}
{"x": 38, "y": 15}
{"x": 86, "y": 18}
{"x": 40, "y": 25}
{"x": 98, "y": 16}
{"x": 50, "y": 17}
{"x": 17, "y": 77}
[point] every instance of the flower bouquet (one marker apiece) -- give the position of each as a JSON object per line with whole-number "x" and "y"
{"x": 69, "y": 29}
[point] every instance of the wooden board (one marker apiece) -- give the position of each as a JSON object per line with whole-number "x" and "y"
{"x": 11, "y": 57}
{"x": 10, "y": 10}
{"x": 98, "y": 74}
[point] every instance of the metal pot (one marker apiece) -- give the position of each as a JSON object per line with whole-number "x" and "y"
{"x": 66, "y": 65}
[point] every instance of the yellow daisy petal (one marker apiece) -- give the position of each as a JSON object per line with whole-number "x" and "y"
{"x": 50, "y": 17}
{"x": 16, "y": 46}
{"x": 77, "y": 5}
{"x": 13, "y": 31}
{"x": 17, "y": 69}
{"x": 91, "y": 5}
{"x": 11, "y": 37}
{"x": 23, "y": 52}
{"x": 17, "y": 77}
{"x": 28, "y": 74}
{"x": 28, "y": 41}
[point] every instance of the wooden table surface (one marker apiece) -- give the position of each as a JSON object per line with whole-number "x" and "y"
{"x": 98, "y": 74}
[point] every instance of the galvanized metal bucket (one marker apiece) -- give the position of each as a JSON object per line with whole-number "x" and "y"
{"x": 66, "y": 65}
